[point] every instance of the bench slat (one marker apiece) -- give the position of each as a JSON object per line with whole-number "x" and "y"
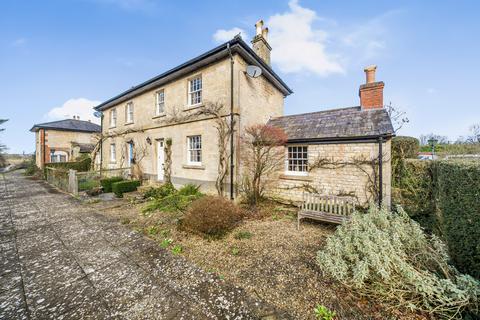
{"x": 326, "y": 208}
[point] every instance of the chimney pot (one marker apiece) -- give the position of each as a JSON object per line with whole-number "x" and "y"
{"x": 370, "y": 73}
{"x": 265, "y": 34}
{"x": 259, "y": 27}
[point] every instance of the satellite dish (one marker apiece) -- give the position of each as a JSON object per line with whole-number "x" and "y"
{"x": 254, "y": 71}
{"x": 98, "y": 114}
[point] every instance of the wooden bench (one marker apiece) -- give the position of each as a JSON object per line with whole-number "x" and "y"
{"x": 332, "y": 209}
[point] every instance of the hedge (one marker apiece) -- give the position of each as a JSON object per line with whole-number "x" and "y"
{"x": 444, "y": 197}
{"x": 81, "y": 166}
{"x": 458, "y": 198}
{"x": 107, "y": 183}
{"x": 119, "y": 188}
{"x": 413, "y": 188}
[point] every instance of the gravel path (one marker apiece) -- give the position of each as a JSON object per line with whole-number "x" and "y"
{"x": 60, "y": 260}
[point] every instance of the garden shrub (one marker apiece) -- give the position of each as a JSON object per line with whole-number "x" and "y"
{"x": 89, "y": 184}
{"x": 170, "y": 200}
{"x": 212, "y": 216}
{"x": 107, "y": 183}
{"x": 159, "y": 192}
{"x": 405, "y": 147}
{"x": 388, "y": 257}
{"x": 121, "y": 187}
{"x": 189, "y": 189}
{"x": 413, "y": 190}
{"x": 458, "y": 200}
{"x": 81, "y": 166}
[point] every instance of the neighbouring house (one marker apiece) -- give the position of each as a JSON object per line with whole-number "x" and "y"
{"x": 177, "y": 124}
{"x": 64, "y": 140}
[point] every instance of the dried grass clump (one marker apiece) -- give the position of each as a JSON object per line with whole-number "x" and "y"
{"x": 387, "y": 256}
{"x": 212, "y": 216}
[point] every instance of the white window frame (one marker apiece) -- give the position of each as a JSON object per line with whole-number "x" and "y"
{"x": 192, "y": 148}
{"x": 296, "y": 156}
{"x": 195, "y": 91}
{"x": 113, "y": 118}
{"x": 113, "y": 153}
{"x": 158, "y": 103}
{"x": 129, "y": 110}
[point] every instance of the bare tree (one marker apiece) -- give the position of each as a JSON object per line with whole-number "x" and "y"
{"x": 398, "y": 117}
{"x": 475, "y": 133}
{"x": 3, "y": 148}
{"x": 261, "y": 156}
{"x": 440, "y": 139}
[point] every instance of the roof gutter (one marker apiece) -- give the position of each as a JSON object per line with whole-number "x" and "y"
{"x": 236, "y": 45}
{"x": 334, "y": 140}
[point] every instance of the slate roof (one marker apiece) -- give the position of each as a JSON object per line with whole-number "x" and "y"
{"x": 84, "y": 147}
{"x": 236, "y": 45}
{"x": 68, "y": 125}
{"x": 335, "y": 124}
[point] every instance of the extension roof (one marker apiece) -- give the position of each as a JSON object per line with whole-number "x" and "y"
{"x": 336, "y": 124}
{"x": 68, "y": 125}
{"x": 236, "y": 45}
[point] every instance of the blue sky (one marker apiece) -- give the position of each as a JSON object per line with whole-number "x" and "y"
{"x": 61, "y": 57}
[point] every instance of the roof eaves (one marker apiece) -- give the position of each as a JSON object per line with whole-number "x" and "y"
{"x": 215, "y": 54}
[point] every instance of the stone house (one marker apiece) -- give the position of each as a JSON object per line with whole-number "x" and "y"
{"x": 171, "y": 123}
{"x": 64, "y": 140}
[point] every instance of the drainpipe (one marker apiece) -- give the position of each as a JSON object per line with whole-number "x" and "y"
{"x": 232, "y": 165}
{"x": 43, "y": 152}
{"x": 380, "y": 172}
{"x": 101, "y": 144}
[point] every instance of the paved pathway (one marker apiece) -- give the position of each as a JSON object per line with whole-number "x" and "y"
{"x": 60, "y": 260}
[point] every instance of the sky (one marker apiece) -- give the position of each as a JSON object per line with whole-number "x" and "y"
{"x": 60, "y": 58}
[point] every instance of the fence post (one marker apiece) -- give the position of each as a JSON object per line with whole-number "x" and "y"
{"x": 72, "y": 181}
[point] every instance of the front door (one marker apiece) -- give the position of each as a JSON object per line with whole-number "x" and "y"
{"x": 160, "y": 159}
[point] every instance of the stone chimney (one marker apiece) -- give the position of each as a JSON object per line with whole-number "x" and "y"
{"x": 259, "y": 42}
{"x": 371, "y": 93}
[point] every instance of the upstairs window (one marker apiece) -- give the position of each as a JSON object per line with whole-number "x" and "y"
{"x": 297, "y": 160}
{"x": 194, "y": 150}
{"x": 113, "y": 153}
{"x": 160, "y": 104}
{"x": 113, "y": 118}
{"x": 129, "y": 112}
{"x": 195, "y": 91}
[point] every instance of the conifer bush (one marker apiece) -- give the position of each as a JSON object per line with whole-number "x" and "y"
{"x": 387, "y": 256}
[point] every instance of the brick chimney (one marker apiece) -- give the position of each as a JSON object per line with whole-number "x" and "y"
{"x": 371, "y": 93}
{"x": 259, "y": 42}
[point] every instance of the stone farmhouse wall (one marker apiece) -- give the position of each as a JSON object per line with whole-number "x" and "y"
{"x": 59, "y": 140}
{"x": 347, "y": 180}
{"x": 255, "y": 101}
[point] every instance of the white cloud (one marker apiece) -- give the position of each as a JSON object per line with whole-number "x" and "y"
{"x": 81, "y": 107}
{"x": 223, "y": 35}
{"x": 304, "y": 42}
{"x": 20, "y": 42}
{"x": 298, "y": 45}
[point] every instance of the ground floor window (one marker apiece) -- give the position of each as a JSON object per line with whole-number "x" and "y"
{"x": 58, "y": 156}
{"x": 113, "y": 153}
{"x": 194, "y": 149}
{"x": 297, "y": 159}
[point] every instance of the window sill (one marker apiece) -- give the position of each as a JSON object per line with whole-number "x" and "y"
{"x": 159, "y": 116}
{"x": 129, "y": 123}
{"x": 193, "y": 107}
{"x": 112, "y": 127}
{"x": 288, "y": 176}
{"x": 193, "y": 166}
